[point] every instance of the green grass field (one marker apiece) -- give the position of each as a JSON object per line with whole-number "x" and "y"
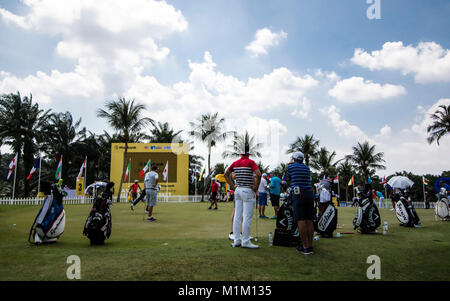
{"x": 189, "y": 242}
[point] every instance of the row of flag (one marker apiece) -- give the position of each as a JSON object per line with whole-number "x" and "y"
{"x": 36, "y": 166}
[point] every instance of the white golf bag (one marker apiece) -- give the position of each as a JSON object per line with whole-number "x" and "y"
{"x": 50, "y": 222}
{"x": 441, "y": 207}
{"x": 406, "y": 214}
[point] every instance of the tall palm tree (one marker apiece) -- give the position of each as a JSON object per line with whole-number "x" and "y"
{"x": 209, "y": 129}
{"x": 308, "y": 145}
{"x": 240, "y": 144}
{"x": 125, "y": 117}
{"x": 21, "y": 127}
{"x": 365, "y": 157}
{"x": 345, "y": 170}
{"x": 323, "y": 162}
{"x": 63, "y": 135}
{"x": 441, "y": 124}
{"x": 162, "y": 133}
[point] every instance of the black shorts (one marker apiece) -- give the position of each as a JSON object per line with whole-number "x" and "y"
{"x": 275, "y": 200}
{"x": 303, "y": 205}
{"x": 213, "y": 195}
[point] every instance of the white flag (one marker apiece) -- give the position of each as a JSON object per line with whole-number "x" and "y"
{"x": 12, "y": 165}
{"x": 166, "y": 171}
{"x": 83, "y": 166}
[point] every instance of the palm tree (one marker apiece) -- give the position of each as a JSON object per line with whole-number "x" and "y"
{"x": 308, "y": 145}
{"x": 64, "y": 136}
{"x": 125, "y": 117}
{"x": 323, "y": 162}
{"x": 345, "y": 171}
{"x": 241, "y": 144}
{"x": 209, "y": 129}
{"x": 441, "y": 124}
{"x": 263, "y": 168}
{"x": 161, "y": 133}
{"x": 21, "y": 127}
{"x": 365, "y": 158}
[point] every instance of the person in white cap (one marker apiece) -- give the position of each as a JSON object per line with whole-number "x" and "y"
{"x": 244, "y": 197}
{"x": 262, "y": 196}
{"x": 303, "y": 201}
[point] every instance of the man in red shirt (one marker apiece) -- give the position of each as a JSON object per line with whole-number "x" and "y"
{"x": 134, "y": 190}
{"x": 244, "y": 197}
{"x": 214, "y": 189}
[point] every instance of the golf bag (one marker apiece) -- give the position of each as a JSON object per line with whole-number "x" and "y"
{"x": 50, "y": 221}
{"x": 98, "y": 224}
{"x": 326, "y": 220}
{"x": 406, "y": 214}
{"x": 367, "y": 217}
{"x": 441, "y": 207}
{"x": 285, "y": 232}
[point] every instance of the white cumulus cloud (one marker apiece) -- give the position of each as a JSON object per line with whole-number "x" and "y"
{"x": 264, "y": 39}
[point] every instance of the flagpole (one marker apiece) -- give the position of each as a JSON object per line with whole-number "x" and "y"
{"x": 39, "y": 178}
{"x": 353, "y": 185}
{"x": 423, "y": 185}
{"x": 339, "y": 191}
{"x": 84, "y": 181}
{"x": 15, "y": 173}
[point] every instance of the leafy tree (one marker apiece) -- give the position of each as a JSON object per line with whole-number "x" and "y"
{"x": 323, "y": 162}
{"x": 308, "y": 145}
{"x": 125, "y": 117}
{"x": 441, "y": 124}
{"x": 162, "y": 133}
{"x": 364, "y": 158}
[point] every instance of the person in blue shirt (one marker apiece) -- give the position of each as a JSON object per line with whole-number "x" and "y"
{"x": 299, "y": 175}
{"x": 380, "y": 199}
{"x": 275, "y": 190}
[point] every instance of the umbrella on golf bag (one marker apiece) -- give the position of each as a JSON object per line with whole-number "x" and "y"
{"x": 50, "y": 221}
{"x": 99, "y": 223}
{"x": 95, "y": 187}
{"x": 400, "y": 182}
{"x": 367, "y": 217}
{"x": 285, "y": 234}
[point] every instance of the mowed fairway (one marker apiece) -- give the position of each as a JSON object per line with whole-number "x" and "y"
{"x": 189, "y": 242}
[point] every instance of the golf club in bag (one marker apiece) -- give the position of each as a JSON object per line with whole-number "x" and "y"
{"x": 441, "y": 207}
{"x": 98, "y": 224}
{"x": 405, "y": 212}
{"x": 50, "y": 221}
{"x": 325, "y": 221}
{"x": 367, "y": 217}
{"x": 285, "y": 233}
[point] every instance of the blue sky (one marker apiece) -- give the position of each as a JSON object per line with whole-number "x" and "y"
{"x": 183, "y": 58}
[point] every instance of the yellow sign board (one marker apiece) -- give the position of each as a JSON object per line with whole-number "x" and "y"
{"x": 176, "y": 155}
{"x": 80, "y": 186}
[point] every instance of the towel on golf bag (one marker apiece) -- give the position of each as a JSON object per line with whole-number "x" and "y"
{"x": 50, "y": 221}
{"x": 406, "y": 214}
{"x": 286, "y": 226}
{"x": 99, "y": 223}
{"x": 326, "y": 220}
{"x": 442, "y": 210}
{"x": 367, "y": 217}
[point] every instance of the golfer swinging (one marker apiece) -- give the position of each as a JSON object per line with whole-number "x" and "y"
{"x": 244, "y": 197}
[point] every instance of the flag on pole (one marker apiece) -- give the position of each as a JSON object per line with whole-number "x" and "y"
{"x": 12, "y": 165}
{"x": 35, "y": 166}
{"x": 425, "y": 181}
{"x": 59, "y": 169}
{"x": 202, "y": 174}
{"x": 350, "y": 182}
{"x": 144, "y": 170}
{"x": 336, "y": 180}
{"x": 83, "y": 166}
{"x": 211, "y": 171}
{"x": 127, "y": 173}
{"x": 166, "y": 171}
{"x": 383, "y": 181}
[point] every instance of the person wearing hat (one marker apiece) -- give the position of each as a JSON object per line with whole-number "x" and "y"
{"x": 303, "y": 201}
{"x": 262, "y": 196}
{"x": 134, "y": 191}
{"x": 245, "y": 191}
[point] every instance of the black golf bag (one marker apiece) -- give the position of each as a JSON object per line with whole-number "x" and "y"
{"x": 285, "y": 232}
{"x": 326, "y": 220}
{"x": 367, "y": 217}
{"x": 50, "y": 221}
{"x": 406, "y": 214}
{"x": 98, "y": 224}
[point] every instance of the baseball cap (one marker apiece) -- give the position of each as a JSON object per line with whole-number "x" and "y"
{"x": 298, "y": 155}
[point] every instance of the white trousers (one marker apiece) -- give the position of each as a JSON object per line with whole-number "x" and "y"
{"x": 244, "y": 202}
